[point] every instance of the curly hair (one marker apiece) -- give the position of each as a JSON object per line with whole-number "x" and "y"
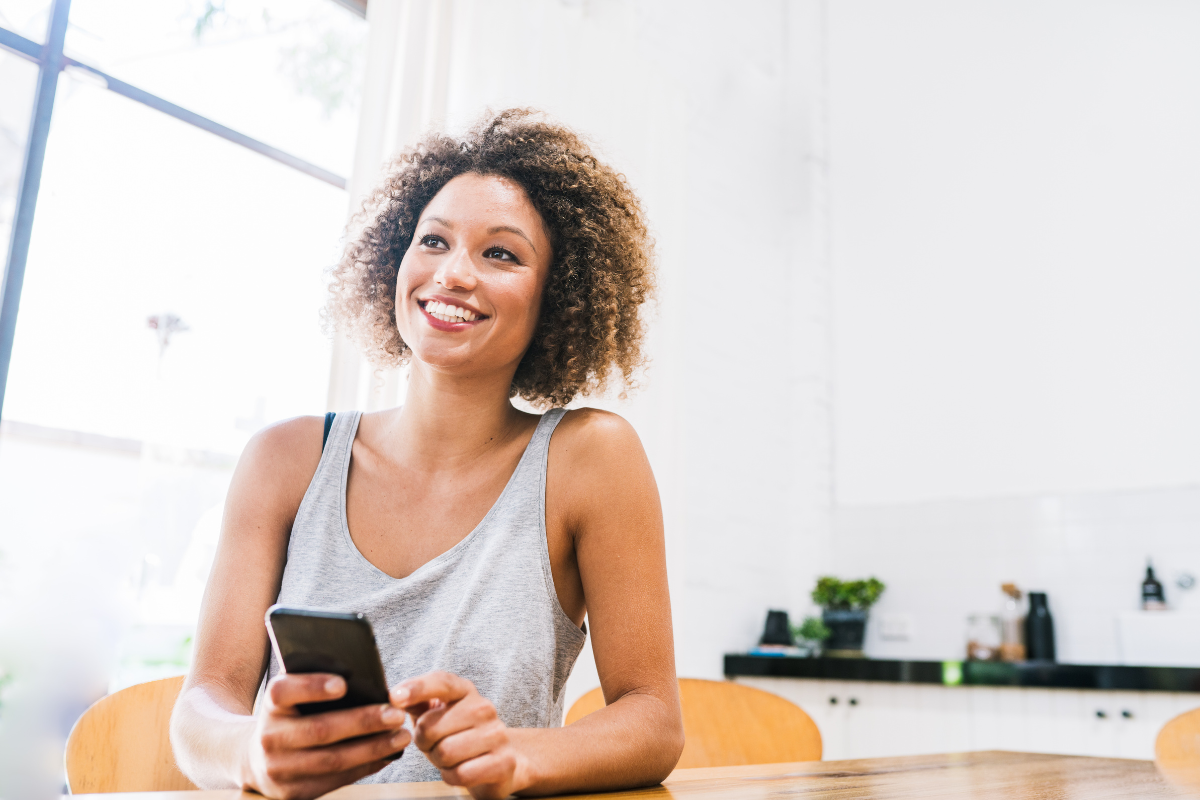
{"x": 589, "y": 331}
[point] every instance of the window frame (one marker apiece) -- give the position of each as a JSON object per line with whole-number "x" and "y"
{"x": 51, "y": 61}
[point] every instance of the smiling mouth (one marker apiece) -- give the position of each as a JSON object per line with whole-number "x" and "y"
{"x": 447, "y": 313}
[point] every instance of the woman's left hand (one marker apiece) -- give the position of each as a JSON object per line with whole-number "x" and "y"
{"x": 460, "y": 733}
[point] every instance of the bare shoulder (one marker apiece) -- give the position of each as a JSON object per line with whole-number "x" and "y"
{"x": 278, "y": 463}
{"x": 596, "y": 457}
{"x": 600, "y": 484}
{"x": 293, "y": 441}
{"x": 597, "y": 437}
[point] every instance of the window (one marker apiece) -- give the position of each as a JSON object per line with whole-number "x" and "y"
{"x": 192, "y": 195}
{"x": 18, "y": 81}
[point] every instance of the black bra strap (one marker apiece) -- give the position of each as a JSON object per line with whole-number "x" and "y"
{"x": 328, "y": 424}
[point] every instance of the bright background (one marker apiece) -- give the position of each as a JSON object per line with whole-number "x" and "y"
{"x": 968, "y": 232}
{"x": 116, "y": 448}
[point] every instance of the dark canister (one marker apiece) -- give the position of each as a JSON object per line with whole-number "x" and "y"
{"x": 777, "y": 629}
{"x": 1039, "y": 629}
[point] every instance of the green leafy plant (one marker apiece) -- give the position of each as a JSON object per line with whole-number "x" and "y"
{"x": 811, "y": 630}
{"x": 838, "y": 595}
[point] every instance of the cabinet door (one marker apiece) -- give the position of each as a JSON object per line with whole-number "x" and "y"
{"x": 834, "y": 721}
{"x": 1044, "y": 726}
{"x": 845, "y": 718}
{"x": 997, "y": 718}
{"x": 1135, "y": 729}
{"x": 948, "y": 718}
{"x": 1101, "y": 723}
{"x": 907, "y": 721}
{"x": 870, "y": 714}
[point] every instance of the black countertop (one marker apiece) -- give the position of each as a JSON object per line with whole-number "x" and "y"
{"x": 969, "y": 673}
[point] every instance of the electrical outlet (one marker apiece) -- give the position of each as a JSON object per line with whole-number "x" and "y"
{"x": 895, "y": 627}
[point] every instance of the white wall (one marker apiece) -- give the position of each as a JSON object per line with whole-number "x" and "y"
{"x": 707, "y": 107}
{"x": 1015, "y": 188}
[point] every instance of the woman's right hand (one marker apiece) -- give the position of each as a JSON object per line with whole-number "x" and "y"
{"x": 294, "y": 757}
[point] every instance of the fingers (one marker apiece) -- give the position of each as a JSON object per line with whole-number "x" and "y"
{"x": 330, "y": 727}
{"x": 480, "y": 774}
{"x": 433, "y": 686}
{"x": 453, "y": 750}
{"x": 287, "y": 691}
{"x": 460, "y": 732}
{"x": 444, "y": 721}
{"x": 331, "y": 761}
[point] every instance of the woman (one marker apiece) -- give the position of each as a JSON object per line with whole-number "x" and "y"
{"x": 474, "y": 536}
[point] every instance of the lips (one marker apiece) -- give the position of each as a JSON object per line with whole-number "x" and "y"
{"x": 449, "y": 313}
{"x": 449, "y": 316}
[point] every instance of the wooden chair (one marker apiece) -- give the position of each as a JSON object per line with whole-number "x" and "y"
{"x": 1178, "y": 743}
{"x": 726, "y": 724}
{"x": 121, "y": 743}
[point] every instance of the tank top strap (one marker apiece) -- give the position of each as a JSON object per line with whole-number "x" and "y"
{"x": 545, "y": 429}
{"x": 536, "y": 458}
{"x": 336, "y": 455}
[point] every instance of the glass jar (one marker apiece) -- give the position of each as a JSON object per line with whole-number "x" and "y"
{"x": 983, "y": 637}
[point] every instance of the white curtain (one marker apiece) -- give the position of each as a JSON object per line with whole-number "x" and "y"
{"x": 404, "y": 95}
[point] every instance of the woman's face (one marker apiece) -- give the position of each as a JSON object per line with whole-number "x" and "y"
{"x": 469, "y": 288}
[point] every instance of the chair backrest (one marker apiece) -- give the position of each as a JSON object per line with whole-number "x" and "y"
{"x": 1178, "y": 742}
{"x": 121, "y": 743}
{"x": 726, "y": 724}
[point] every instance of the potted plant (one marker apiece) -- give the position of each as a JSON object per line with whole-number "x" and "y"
{"x": 810, "y": 634}
{"x": 844, "y": 607}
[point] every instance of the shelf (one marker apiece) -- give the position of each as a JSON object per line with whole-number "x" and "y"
{"x": 969, "y": 673}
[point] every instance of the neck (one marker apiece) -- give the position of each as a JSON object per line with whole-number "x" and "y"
{"x": 447, "y": 417}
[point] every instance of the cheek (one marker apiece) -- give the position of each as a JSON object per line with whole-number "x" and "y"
{"x": 405, "y": 285}
{"x": 408, "y": 278}
{"x": 525, "y": 296}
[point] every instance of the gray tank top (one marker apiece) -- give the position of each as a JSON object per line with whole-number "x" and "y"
{"x": 485, "y": 609}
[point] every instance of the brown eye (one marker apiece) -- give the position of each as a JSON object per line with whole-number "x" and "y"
{"x": 500, "y": 253}
{"x": 433, "y": 240}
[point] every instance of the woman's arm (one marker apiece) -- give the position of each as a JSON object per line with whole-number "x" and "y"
{"x": 217, "y": 740}
{"x": 602, "y": 482}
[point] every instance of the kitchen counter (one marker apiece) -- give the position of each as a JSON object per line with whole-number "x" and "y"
{"x": 969, "y": 673}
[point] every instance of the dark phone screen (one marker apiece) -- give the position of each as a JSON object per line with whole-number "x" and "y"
{"x": 323, "y": 641}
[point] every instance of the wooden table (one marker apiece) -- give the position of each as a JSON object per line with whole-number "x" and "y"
{"x": 980, "y": 776}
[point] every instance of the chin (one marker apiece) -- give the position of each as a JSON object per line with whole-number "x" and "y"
{"x": 445, "y": 358}
{"x": 441, "y": 360}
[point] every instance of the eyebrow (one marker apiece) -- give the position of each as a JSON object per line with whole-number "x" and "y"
{"x": 517, "y": 231}
{"x": 496, "y": 229}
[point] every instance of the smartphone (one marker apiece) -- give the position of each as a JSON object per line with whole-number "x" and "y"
{"x": 307, "y": 640}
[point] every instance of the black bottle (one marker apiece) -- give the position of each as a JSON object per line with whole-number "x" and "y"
{"x": 777, "y": 630}
{"x": 1153, "y": 598}
{"x": 1039, "y": 629}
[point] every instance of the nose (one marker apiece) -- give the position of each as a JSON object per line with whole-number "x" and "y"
{"x": 456, "y": 271}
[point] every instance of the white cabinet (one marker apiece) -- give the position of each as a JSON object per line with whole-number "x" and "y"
{"x": 861, "y": 719}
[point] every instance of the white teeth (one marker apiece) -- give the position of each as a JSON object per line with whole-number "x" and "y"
{"x": 447, "y": 313}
